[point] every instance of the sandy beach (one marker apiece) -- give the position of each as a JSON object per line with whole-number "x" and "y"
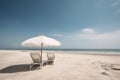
{"x": 14, "y": 65}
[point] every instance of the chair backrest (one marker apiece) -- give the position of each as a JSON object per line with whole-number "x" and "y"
{"x": 51, "y": 56}
{"x": 35, "y": 57}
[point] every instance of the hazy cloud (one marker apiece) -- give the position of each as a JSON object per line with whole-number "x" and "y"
{"x": 99, "y": 36}
{"x": 57, "y": 35}
{"x": 89, "y": 38}
{"x": 116, "y": 3}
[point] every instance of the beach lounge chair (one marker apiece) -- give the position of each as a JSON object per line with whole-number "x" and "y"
{"x": 36, "y": 60}
{"x": 51, "y": 58}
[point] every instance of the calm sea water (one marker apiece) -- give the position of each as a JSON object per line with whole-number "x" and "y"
{"x": 87, "y": 50}
{"x": 91, "y": 51}
{"x": 95, "y": 51}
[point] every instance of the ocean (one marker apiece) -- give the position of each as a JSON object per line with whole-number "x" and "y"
{"x": 88, "y": 51}
{"x": 78, "y": 51}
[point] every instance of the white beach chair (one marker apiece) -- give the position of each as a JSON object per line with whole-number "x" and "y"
{"x": 51, "y": 58}
{"x": 36, "y": 57}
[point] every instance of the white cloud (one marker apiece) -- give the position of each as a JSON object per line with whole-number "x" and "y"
{"x": 100, "y": 36}
{"x": 88, "y": 30}
{"x": 99, "y": 40}
{"x": 89, "y": 38}
{"x": 57, "y": 35}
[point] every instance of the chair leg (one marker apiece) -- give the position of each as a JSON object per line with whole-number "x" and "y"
{"x": 53, "y": 63}
{"x": 30, "y": 67}
{"x": 40, "y": 67}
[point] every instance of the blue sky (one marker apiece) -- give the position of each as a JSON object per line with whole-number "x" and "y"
{"x": 75, "y": 23}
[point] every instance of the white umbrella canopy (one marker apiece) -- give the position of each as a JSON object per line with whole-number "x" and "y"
{"x": 41, "y": 41}
{"x": 37, "y": 41}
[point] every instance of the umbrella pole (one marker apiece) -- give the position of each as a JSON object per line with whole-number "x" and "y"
{"x": 41, "y": 51}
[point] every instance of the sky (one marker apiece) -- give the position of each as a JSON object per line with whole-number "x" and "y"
{"x": 77, "y": 24}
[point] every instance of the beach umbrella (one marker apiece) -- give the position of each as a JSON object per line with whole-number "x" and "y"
{"x": 40, "y": 41}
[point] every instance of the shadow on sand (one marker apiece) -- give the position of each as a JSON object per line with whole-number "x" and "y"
{"x": 17, "y": 68}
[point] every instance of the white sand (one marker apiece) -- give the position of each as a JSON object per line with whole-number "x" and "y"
{"x": 14, "y": 66}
